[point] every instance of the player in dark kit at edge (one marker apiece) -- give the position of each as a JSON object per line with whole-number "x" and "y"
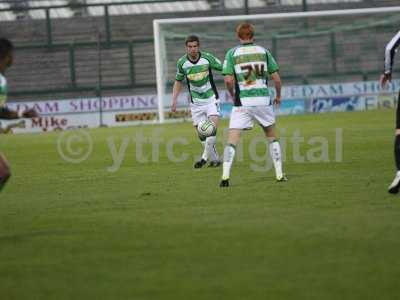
{"x": 6, "y": 60}
{"x": 390, "y": 50}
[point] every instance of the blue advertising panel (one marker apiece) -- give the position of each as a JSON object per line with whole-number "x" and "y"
{"x": 332, "y": 104}
{"x": 291, "y": 107}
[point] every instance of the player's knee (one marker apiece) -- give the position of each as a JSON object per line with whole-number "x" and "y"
{"x": 270, "y": 131}
{"x": 5, "y": 174}
{"x": 215, "y": 120}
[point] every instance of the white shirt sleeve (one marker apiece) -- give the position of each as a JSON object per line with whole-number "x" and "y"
{"x": 390, "y": 50}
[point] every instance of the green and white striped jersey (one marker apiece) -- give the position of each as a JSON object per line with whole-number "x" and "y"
{"x": 250, "y": 64}
{"x": 3, "y": 90}
{"x": 199, "y": 77}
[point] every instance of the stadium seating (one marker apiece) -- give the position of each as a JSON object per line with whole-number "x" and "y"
{"x": 50, "y": 67}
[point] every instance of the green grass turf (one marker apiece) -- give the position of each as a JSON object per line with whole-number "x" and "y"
{"x": 162, "y": 230}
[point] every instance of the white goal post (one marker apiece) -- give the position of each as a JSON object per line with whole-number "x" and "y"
{"x": 160, "y": 50}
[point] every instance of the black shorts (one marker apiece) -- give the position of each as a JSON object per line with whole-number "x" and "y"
{"x": 398, "y": 112}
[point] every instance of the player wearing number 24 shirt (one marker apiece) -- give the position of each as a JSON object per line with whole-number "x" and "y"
{"x": 246, "y": 69}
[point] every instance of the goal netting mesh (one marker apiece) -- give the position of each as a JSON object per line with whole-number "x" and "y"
{"x": 310, "y": 47}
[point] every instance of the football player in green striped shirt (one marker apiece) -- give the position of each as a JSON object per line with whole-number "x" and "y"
{"x": 196, "y": 67}
{"x": 6, "y": 60}
{"x": 246, "y": 69}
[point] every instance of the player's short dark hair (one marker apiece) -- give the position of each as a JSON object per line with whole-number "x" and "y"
{"x": 192, "y": 38}
{"x": 6, "y": 47}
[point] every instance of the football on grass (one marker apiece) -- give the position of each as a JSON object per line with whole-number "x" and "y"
{"x": 206, "y": 128}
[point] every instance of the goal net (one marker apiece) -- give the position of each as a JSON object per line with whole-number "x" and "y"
{"x": 310, "y": 47}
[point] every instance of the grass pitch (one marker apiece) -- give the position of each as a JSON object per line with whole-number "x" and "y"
{"x": 155, "y": 229}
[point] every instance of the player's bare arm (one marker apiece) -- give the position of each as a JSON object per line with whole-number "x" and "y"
{"x": 385, "y": 78}
{"x": 6, "y": 113}
{"x": 278, "y": 87}
{"x": 175, "y": 93}
{"x": 229, "y": 81}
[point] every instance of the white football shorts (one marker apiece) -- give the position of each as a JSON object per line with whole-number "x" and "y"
{"x": 201, "y": 112}
{"x": 242, "y": 117}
